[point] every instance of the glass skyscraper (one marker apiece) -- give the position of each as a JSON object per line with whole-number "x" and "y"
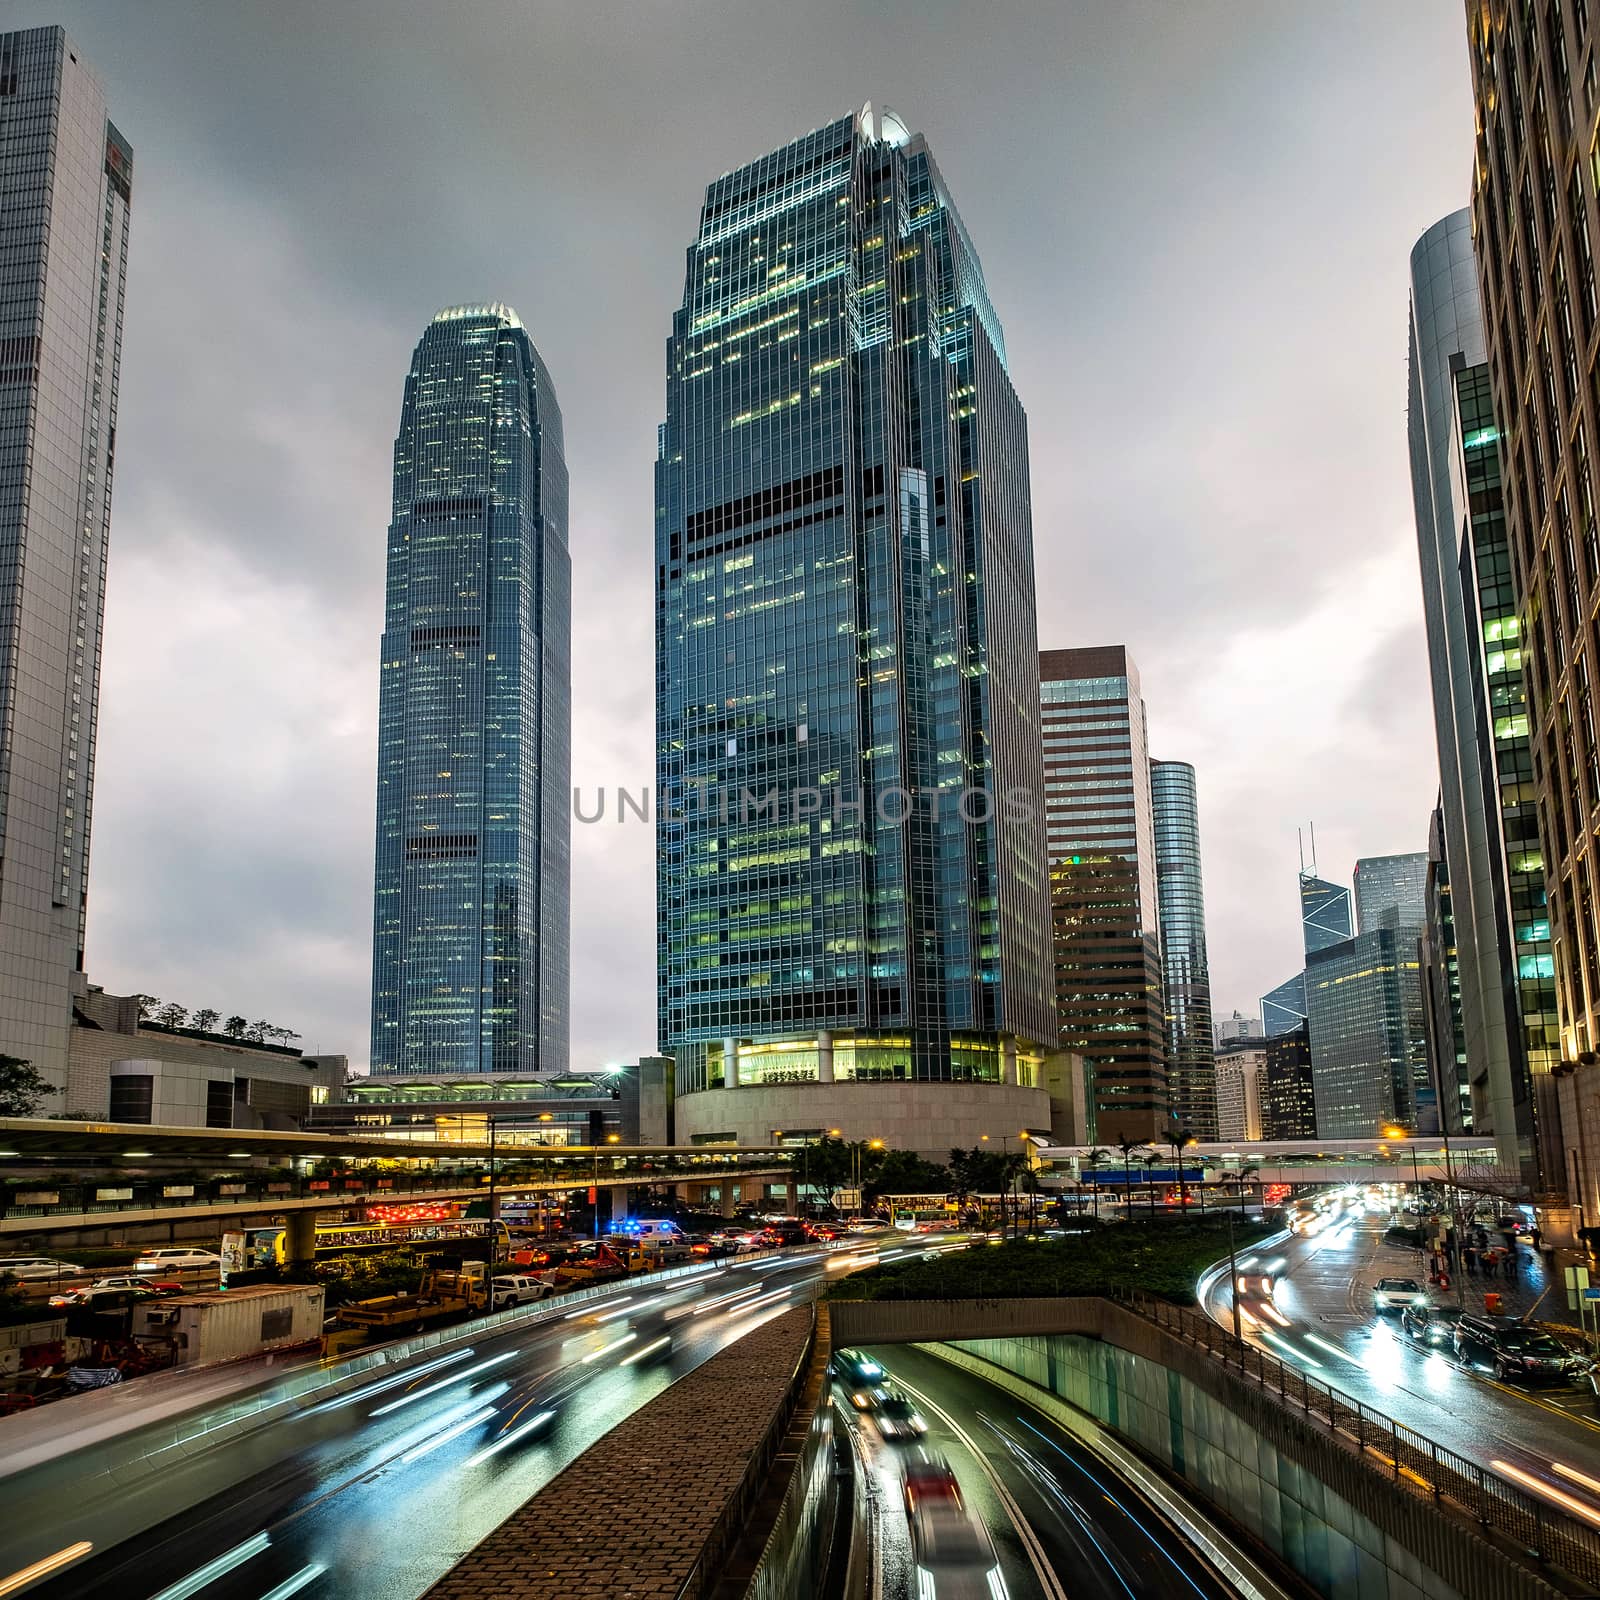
{"x": 1284, "y": 1008}
{"x": 1494, "y": 862}
{"x": 65, "y": 188}
{"x": 1325, "y": 913}
{"x": 470, "y": 920}
{"x": 1185, "y": 970}
{"x": 1101, "y": 833}
{"x": 1394, "y": 886}
{"x": 851, "y": 882}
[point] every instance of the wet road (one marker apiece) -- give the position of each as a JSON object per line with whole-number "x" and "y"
{"x": 1318, "y": 1316}
{"x": 387, "y": 1485}
{"x": 1061, "y": 1522}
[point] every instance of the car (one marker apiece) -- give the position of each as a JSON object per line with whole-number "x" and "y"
{"x": 1514, "y": 1349}
{"x": 897, "y": 1418}
{"x": 516, "y": 1289}
{"x": 1394, "y": 1294}
{"x": 127, "y": 1281}
{"x": 177, "y": 1258}
{"x": 857, "y": 1369}
{"x": 870, "y": 1398}
{"x": 955, "y": 1560}
{"x": 30, "y": 1269}
{"x": 95, "y": 1299}
{"x": 1433, "y": 1327}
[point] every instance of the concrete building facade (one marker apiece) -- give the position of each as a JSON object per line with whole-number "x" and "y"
{"x": 1241, "y": 1086}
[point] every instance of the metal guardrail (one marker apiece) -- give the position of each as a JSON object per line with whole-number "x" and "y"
{"x": 735, "y": 1514}
{"x": 1416, "y": 1463}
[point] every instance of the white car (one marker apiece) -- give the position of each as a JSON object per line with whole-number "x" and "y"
{"x": 33, "y": 1268}
{"x": 179, "y": 1258}
{"x": 1395, "y": 1294}
{"x": 516, "y": 1289}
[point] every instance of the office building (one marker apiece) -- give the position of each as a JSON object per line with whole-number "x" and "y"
{"x": 851, "y": 883}
{"x": 1241, "y": 1086}
{"x": 1479, "y": 670}
{"x": 470, "y": 919}
{"x": 1368, "y": 1048}
{"x": 66, "y": 176}
{"x": 1325, "y": 913}
{"x": 1289, "y": 1107}
{"x": 1185, "y": 971}
{"x": 1391, "y": 886}
{"x": 1237, "y": 1026}
{"x": 1284, "y": 1008}
{"x": 1441, "y": 992}
{"x": 1099, "y": 816}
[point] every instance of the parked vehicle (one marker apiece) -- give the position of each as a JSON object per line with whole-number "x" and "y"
{"x": 443, "y": 1296}
{"x": 516, "y": 1289}
{"x": 115, "y": 1298}
{"x": 1432, "y": 1326}
{"x": 177, "y": 1258}
{"x": 226, "y": 1325}
{"x": 1514, "y": 1349}
{"x": 31, "y": 1269}
{"x": 133, "y": 1281}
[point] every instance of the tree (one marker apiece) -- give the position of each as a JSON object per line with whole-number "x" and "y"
{"x": 234, "y": 1027}
{"x": 1127, "y": 1147}
{"x": 205, "y": 1020}
{"x": 258, "y": 1031}
{"x": 1094, "y": 1160}
{"x": 146, "y": 1003}
{"x": 902, "y": 1172}
{"x": 171, "y": 1015}
{"x": 22, "y": 1088}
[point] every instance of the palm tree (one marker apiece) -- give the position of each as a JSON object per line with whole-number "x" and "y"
{"x": 1179, "y": 1138}
{"x": 1127, "y": 1147}
{"x": 1152, "y": 1160}
{"x": 1094, "y": 1160}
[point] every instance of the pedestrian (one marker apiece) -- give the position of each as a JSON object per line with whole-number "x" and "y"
{"x": 1469, "y": 1259}
{"x": 1450, "y": 1251}
{"x": 1534, "y": 1236}
{"x": 1513, "y": 1262}
{"x": 1488, "y": 1264}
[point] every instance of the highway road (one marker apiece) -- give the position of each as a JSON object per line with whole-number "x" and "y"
{"x": 1318, "y": 1316}
{"x": 1062, "y": 1524}
{"x": 387, "y": 1485}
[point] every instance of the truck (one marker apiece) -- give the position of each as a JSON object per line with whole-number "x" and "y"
{"x": 228, "y": 1324}
{"x": 593, "y": 1263}
{"x": 443, "y": 1295}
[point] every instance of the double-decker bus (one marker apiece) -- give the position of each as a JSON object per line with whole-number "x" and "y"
{"x": 267, "y": 1245}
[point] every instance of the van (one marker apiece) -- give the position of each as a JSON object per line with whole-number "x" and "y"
{"x": 516, "y": 1289}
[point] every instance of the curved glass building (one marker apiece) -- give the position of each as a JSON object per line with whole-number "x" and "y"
{"x": 470, "y": 919}
{"x": 1186, "y": 973}
{"x": 847, "y": 680}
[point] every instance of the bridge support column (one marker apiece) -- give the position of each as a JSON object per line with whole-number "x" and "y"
{"x": 727, "y": 1197}
{"x": 300, "y": 1238}
{"x": 791, "y": 1198}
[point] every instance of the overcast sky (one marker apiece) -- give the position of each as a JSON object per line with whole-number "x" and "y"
{"x": 1194, "y": 219}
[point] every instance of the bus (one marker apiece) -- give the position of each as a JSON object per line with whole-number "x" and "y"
{"x": 267, "y": 1246}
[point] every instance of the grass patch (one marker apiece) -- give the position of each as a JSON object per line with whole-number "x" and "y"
{"x": 1163, "y": 1258}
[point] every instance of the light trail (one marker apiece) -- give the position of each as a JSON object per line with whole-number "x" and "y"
{"x": 212, "y": 1570}
{"x": 606, "y": 1349}
{"x": 447, "y": 1383}
{"x": 532, "y": 1425}
{"x": 639, "y": 1355}
{"x": 409, "y": 1376}
{"x": 429, "y": 1446}
{"x": 295, "y": 1583}
{"x": 44, "y": 1566}
{"x": 1566, "y": 1501}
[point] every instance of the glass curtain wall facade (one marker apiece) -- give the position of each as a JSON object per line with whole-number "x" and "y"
{"x": 1185, "y": 970}
{"x": 65, "y": 191}
{"x": 1325, "y": 913}
{"x": 1284, "y": 1008}
{"x": 850, "y": 871}
{"x": 1441, "y": 991}
{"x": 1289, "y": 1108}
{"x": 1369, "y": 1060}
{"x": 1386, "y": 884}
{"x": 1493, "y": 872}
{"x": 1099, "y": 818}
{"x": 471, "y": 914}
{"x": 1535, "y": 177}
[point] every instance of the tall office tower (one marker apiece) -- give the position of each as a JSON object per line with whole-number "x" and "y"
{"x": 1289, "y": 1108}
{"x": 1369, "y": 1055}
{"x": 1101, "y": 831}
{"x": 851, "y": 877}
{"x": 1391, "y": 886}
{"x": 65, "y": 188}
{"x": 1479, "y": 671}
{"x": 1241, "y": 1090}
{"x": 1284, "y": 1008}
{"x": 1185, "y": 971}
{"x": 1441, "y": 991}
{"x": 1325, "y": 913}
{"x": 470, "y": 919}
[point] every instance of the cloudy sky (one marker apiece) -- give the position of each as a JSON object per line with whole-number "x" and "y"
{"x": 1194, "y": 219}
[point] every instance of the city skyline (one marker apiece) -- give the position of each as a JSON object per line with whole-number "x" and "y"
{"x": 304, "y": 577}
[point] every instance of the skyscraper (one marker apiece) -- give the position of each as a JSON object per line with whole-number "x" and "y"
{"x": 1391, "y": 886}
{"x": 847, "y": 679}
{"x": 1325, "y": 913}
{"x": 1241, "y": 1078}
{"x": 1185, "y": 970}
{"x": 470, "y": 921}
{"x": 66, "y": 181}
{"x": 1284, "y": 1008}
{"x": 1494, "y": 862}
{"x": 1288, "y": 1109}
{"x": 1099, "y": 818}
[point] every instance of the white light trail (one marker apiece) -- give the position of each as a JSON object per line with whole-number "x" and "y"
{"x": 639, "y": 1355}
{"x": 606, "y": 1349}
{"x": 532, "y": 1425}
{"x": 295, "y": 1583}
{"x": 428, "y": 1446}
{"x": 447, "y": 1383}
{"x": 212, "y": 1570}
{"x": 409, "y": 1376}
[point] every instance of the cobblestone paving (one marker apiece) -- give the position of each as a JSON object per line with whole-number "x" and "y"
{"x": 627, "y": 1519}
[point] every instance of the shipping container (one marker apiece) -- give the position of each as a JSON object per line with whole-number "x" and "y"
{"x": 227, "y": 1324}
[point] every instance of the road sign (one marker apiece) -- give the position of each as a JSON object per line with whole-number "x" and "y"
{"x": 846, "y": 1199}
{"x": 1591, "y": 1294}
{"x": 1577, "y": 1282}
